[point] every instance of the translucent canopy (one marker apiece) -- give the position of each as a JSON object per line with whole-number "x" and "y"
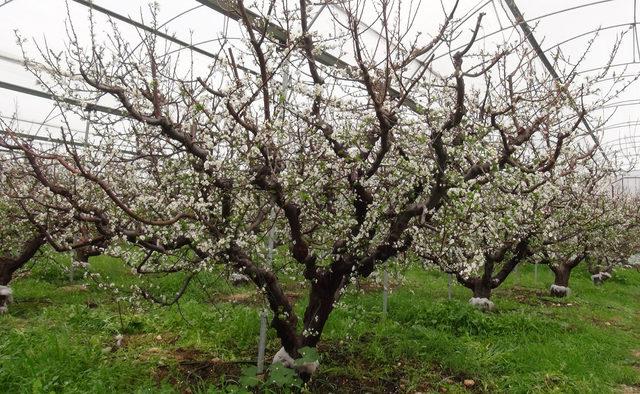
{"x": 195, "y": 28}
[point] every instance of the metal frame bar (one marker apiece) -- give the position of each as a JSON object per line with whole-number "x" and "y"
{"x": 122, "y": 18}
{"x": 129, "y": 21}
{"x": 325, "y": 58}
{"x": 55, "y": 141}
{"x": 49, "y": 96}
{"x": 526, "y": 30}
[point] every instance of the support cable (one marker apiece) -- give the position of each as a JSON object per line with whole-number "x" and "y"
{"x": 528, "y": 33}
{"x": 49, "y": 96}
{"x": 280, "y": 34}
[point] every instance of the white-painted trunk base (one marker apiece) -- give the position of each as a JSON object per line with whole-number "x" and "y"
{"x": 283, "y": 357}
{"x": 6, "y": 297}
{"x": 80, "y": 264}
{"x": 482, "y": 303}
{"x": 238, "y": 279}
{"x": 600, "y": 277}
{"x": 560, "y": 291}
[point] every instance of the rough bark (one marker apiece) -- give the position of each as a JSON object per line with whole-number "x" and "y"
{"x": 6, "y": 271}
{"x": 562, "y": 274}
{"x": 83, "y": 254}
{"x": 9, "y": 265}
{"x": 601, "y": 272}
{"x": 482, "y": 286}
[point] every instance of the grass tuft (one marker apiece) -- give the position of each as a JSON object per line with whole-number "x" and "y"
{"x": 60, "y": 336}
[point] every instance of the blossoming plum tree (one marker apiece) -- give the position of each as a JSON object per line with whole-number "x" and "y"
{"x": 14, "y": 255}
{"x": 587, "y": 224}
{"x": 340, "y": 163}
{"x": 482, "y": 236}
{"x": 490, "y": 224}
{"x": 30, "y": 217}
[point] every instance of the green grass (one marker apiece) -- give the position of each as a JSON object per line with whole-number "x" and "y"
{"x": 59, "y": 337}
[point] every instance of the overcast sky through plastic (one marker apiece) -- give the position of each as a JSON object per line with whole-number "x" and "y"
{"x": 192, "y": 22}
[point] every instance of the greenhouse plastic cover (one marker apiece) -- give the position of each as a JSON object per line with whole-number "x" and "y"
{"x": 565, "y": 25}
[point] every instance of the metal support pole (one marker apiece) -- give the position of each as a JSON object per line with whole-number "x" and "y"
{"x": 450, "y": 286}
{"x": 262, "y": 344}
{"x": 535, "y": 272}
{"x": 71, "y": 271}
{"x": 385, "y": 293}
{"x": 612, "y": 191}
{"x": 270, "y": 244}
{"x": 86, "y": 130}
{"x": 528, "y": 34}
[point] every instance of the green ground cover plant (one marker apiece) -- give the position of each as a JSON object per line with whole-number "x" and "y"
{"x": 61, "y": 337}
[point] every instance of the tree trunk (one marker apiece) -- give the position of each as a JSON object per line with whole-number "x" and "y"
{"x": 560, "y": 287}
{"x": 7, "y": 268}
{"x": 284, "y": 319}
{"x": 81, "y": 258}
{"x": 325, "y": 291}
{"x": 482, "y": 288}
{"x": 600, "y": 272}
{"x": 6, "y": 271}
{"x": 81, "y": 255}
{"x": 481, "y": 294}
{"x": 562, "y": 272}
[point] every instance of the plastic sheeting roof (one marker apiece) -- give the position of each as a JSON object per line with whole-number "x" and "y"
{"x": 565, "y": 25}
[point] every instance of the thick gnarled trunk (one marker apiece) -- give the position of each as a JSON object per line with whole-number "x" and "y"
{"x": 483, "y": 285}
{"x": 560, "y": 287}
{"x": 81, "y": 257}
{"x": 9, "y": 265}
{"x": 83, "y": 254}
{"x": 6, "y": 271}
{"x": 481, "y": 288}
{"x": 325, "y": 292}
{"x": 6, "y": 274}
{"x": 562, "y": 274}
